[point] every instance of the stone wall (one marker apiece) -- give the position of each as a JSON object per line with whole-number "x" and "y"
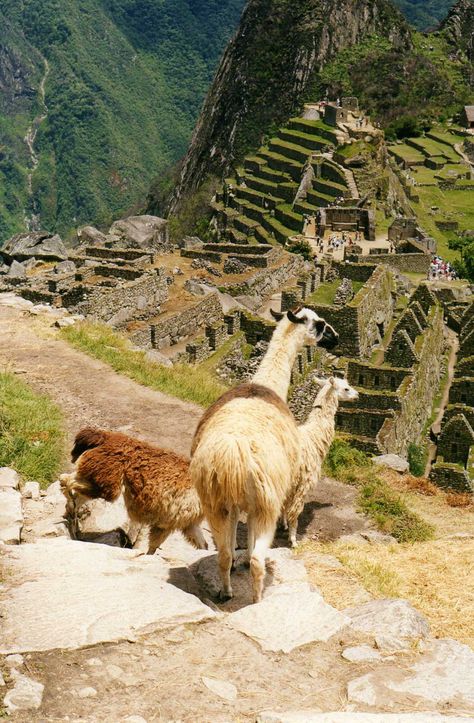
{"x": 419, "y": 389}
{"x": 177, "y": 327}
{"x": 355, "y": 271}
{"x": 139, "y": 299}
{"x": 264, "y": 283}
{"x": 418, "y": 263}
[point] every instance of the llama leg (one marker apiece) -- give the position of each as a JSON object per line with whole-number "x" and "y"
{"x": 221, "y": 531}
{"x": 141, "y": 542}
{"x": 293, "y": 523}
{"x": 195, "y": 536}
{"x": 234, "y": 521}
{"x": 264, "y": 533}
{"x": 157, "y": 536}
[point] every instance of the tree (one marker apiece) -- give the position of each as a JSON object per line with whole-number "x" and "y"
{"x": 465, "y": 266}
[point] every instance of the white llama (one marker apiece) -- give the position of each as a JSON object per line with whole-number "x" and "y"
{"x": 315, "y": 436}
{"x": 246, "y": 449}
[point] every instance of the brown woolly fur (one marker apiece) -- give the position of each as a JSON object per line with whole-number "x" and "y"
{"x": 243, "y": 391}
{"x": 155, "y": 483}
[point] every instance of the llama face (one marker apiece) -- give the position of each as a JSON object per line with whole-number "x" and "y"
{"x": 344, "y": 391}
{"x": 319, "y": 330}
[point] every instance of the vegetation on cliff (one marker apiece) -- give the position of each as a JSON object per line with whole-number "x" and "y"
{"x": 126, "y": 82}
{"x": 424, "y": 14}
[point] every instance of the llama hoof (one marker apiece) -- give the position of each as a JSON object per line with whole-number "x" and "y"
{"x": 225, "y": 596}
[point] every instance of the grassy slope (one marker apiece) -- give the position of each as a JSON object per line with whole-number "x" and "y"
{"x": 192, "y": 383}
{"x": 126, "y": 83}
{"x": 31, "y": 431}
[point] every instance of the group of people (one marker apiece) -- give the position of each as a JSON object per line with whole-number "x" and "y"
{"x": 440, "y": 269}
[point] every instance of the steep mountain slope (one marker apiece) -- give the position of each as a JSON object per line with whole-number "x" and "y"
{"x": 424, "y": 14}
{"x": 267, "y": 70}
{"x": 286, "y": 54}
{"x": 125, "y": 82}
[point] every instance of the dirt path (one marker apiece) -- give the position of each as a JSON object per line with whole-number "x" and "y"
{"x": 88, "y": 391}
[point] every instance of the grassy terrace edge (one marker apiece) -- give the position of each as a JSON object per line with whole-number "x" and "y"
{"x": 32, "y": 439}
{"x": 189, "y": 383}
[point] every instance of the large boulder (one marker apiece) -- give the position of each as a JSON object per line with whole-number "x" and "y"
{"x": 39, "y": 244}
{"x": 90, "y": 236}
{"x": 11, "y": 515}
{"x": 395, "y": 624}
{"x": 146, "y": 232}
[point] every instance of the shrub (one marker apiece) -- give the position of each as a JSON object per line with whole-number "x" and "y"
{"x": 416, "y": 460}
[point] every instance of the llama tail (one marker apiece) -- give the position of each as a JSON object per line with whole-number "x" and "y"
{"x": 87, "y": 438}
{"x": 221, "y": 469}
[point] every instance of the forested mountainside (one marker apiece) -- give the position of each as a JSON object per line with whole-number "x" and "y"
{"x": 286, "y": 54}
{"x": 424, "y": 14}
{"x": 123, "y": 83}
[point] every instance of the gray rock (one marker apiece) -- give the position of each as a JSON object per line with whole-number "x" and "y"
{"x": 31, "y": 490}
{"x": 87, "y": 692}
{"x": 9, "y": 478}
{"x": 90, "y": 236}
{"x": 308, "y": 716}
{"x": 221, "y": 688}
{"x": 250, "y": 302}
{"x": 97, "y": 517}
{"x": 65, "y": 267}
{"x": 177, "y": 271}
{"x": 290, "y": 616}
{"x": 192, "y": 242}
{"x": 392, "y": 461}
{"x": 154, "y": 356}
{"x": 195, "y": 287}
{"x": 2, "y": 681}
{"x": 147, "y": 232}
{"x": 64, "y": 322}
{"x": 233, "y": 265}
{"x": 17, "y": 270}
{"x": 65, "y": 594}
{"x": 11, "y": 516}
{"x": 39, "y": 244}
{"x": 14, "y": 661}
{"x": 15, "y": 302}
{"x": 361, "y": 654}
{"x": 27, "y": 694}
{"x": 443, "y": 676}
{"x": 395, "y": 624}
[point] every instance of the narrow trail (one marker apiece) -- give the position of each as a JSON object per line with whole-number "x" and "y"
{"x": 436, "y": 426}
{"x": 33, "y": 220}
{"x": 89, "y": 392}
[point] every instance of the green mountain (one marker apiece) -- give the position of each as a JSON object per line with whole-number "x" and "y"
{"x": 425, "y": 14}
{"x": 106, "y": 93}
{"x": 297, "y": 52}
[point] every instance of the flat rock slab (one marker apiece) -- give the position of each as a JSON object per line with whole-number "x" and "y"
{"x": 11, "y": 515}
{"x": 307, "y": 716}
{"x": 393, "y": 461}
{"x": 291, "y": 616}
{"x": 65, "y": 594}
{"x": 395, "y": 624}
{"x": 442, "y": 676}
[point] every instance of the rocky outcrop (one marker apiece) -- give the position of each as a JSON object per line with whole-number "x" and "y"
{"x": 459, "y": 24}
{"x": 40, "y": 245}
{"x": 266, "y": 73}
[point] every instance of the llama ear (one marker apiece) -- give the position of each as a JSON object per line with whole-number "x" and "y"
{"x": 277, "y": 315}
{"x": 293, "y": 318}
{"x": 332, "y": 381}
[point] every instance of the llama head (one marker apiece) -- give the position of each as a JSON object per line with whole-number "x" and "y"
{"x": 318, "y": 330}
{"x": 341, "y": 387}
{"x": 74, "y": 494}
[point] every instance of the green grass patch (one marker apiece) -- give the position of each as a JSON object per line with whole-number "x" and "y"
{"x": 376, "y": 498}
{"x": 326, "y": 293}
{"x": 31, "y": 431}
{"x": 191, "y": 383}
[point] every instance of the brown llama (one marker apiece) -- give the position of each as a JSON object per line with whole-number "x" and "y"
{"x": 156, "y": 484}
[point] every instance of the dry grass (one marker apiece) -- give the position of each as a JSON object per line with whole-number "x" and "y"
{"x": 434, "y": 575}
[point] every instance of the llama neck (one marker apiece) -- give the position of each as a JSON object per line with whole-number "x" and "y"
{"x": 318, "y": 432}
{"x": 275, "y": 368}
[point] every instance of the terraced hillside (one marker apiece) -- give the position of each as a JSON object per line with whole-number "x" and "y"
{"x": 439, "y": 183}
{"x": 258, "y": 205}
